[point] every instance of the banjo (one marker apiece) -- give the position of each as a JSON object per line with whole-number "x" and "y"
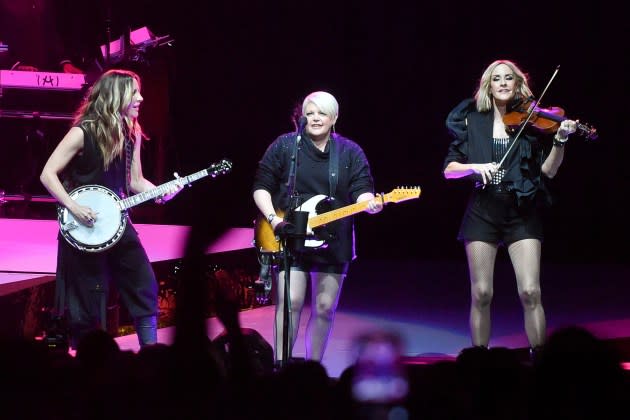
{"x": 112, "y": 210}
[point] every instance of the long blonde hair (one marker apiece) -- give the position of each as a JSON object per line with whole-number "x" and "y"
{"x": 102, "y": 112}
{"x": 483, "y": 96}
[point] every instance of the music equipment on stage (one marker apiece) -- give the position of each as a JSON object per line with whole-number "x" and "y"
{"x": 39, "y": 94}
{"x": 266, "y": 240}
{"x": 110, "y": 224}
{"x": 134, "y": 45}
{"x": 41, "y": 80}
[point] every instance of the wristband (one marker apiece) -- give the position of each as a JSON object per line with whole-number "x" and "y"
{"x": 558, "y": 142}
{"x": 270, "y": 217}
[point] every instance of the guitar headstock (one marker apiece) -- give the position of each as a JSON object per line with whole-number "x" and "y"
{"x": 402, "y": 194}
{"x": 587, "y": 131}
{"x": 220, "y": 168}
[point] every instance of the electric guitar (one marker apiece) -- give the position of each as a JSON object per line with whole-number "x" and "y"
{"x": 265, "y": 240}
{"x": 112, "y": 210}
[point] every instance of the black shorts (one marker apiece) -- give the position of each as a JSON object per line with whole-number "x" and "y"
{"x": 306, "y": 264}
{"x": 492, "y": 215}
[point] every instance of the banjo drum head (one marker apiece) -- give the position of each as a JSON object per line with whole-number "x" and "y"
{"x": 110, "y": 220}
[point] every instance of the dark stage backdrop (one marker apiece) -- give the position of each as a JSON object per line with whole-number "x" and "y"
{"x": 397, "y": 68}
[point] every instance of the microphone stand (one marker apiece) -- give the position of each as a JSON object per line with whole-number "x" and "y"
{"x": 125, "y": 39}
{"x": 299, "y": 221}
{"x": 108, "y": 34}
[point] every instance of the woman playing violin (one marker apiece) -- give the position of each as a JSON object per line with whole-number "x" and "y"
{"x": 508, "y": 172}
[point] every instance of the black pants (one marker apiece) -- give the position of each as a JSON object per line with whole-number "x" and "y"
{"x": 83, "y": 281}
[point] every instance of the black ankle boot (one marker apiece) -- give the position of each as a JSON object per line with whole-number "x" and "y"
{"x": 146, "y": 330}
{"x": 472, "y": 351}
{"x": 535, "y": 353}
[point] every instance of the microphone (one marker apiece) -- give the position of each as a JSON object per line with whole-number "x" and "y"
{"x": 300, "y": 128}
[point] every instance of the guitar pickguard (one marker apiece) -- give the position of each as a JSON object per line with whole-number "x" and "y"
{"x": 319, "y": 236}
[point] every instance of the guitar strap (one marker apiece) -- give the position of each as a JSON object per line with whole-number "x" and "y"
{"x": 333, "y": 165}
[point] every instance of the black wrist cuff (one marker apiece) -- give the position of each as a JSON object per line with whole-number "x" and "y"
{"x": 559, "y": 143}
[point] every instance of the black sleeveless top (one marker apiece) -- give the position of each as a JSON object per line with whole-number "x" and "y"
{"x": 87, "y": 168}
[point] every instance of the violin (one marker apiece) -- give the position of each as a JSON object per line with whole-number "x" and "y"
{"x": 546, "y": 120}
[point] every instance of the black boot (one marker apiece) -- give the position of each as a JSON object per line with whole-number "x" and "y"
{"x": 535, "y": 353}
{"x": 146, "y": 329}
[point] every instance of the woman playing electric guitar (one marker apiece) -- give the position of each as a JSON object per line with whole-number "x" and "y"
{"x": 331, "y": 165}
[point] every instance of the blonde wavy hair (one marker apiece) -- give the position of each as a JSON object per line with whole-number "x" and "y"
{"x": 483, "y": 95}
{"x": 103, "y": 112}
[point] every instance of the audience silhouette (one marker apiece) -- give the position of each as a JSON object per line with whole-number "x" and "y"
{"x": 575, "y": 376}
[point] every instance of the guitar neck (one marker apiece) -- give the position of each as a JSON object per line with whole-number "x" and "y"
{"x": 162, "y": 189}
{"x": 330, "y": 216}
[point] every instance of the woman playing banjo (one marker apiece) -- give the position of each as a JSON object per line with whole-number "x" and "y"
{"x": 103, "y": 149}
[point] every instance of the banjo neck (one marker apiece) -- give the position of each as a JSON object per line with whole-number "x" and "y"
{"x": 111, "y": 209}
{"x": 162, "y": 189}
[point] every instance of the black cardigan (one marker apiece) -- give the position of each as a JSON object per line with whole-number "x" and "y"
{"x": 354, "y": 179}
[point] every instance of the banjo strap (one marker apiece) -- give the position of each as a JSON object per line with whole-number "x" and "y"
{"x": 128, "y": 158}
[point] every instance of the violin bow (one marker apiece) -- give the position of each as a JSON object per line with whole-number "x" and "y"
{"x": 529, "y": 117}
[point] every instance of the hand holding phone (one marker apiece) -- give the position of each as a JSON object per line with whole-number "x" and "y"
{"x": 379, "y": 376}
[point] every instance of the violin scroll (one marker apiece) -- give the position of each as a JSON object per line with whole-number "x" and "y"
{"x": 586, "y": 130}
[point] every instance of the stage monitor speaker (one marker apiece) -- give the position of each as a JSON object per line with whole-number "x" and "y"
{"x": 259, "y": 350}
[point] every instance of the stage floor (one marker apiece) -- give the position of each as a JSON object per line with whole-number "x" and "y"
{"x": 426, "y": 304}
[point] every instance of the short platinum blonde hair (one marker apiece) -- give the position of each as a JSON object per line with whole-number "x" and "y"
{"x": 483, "y": 95}
{"x": 324, "y": 101}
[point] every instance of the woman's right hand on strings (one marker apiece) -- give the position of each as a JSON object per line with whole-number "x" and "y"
{"x": 486, "y": 170}
{"x": 84, "y": 214}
